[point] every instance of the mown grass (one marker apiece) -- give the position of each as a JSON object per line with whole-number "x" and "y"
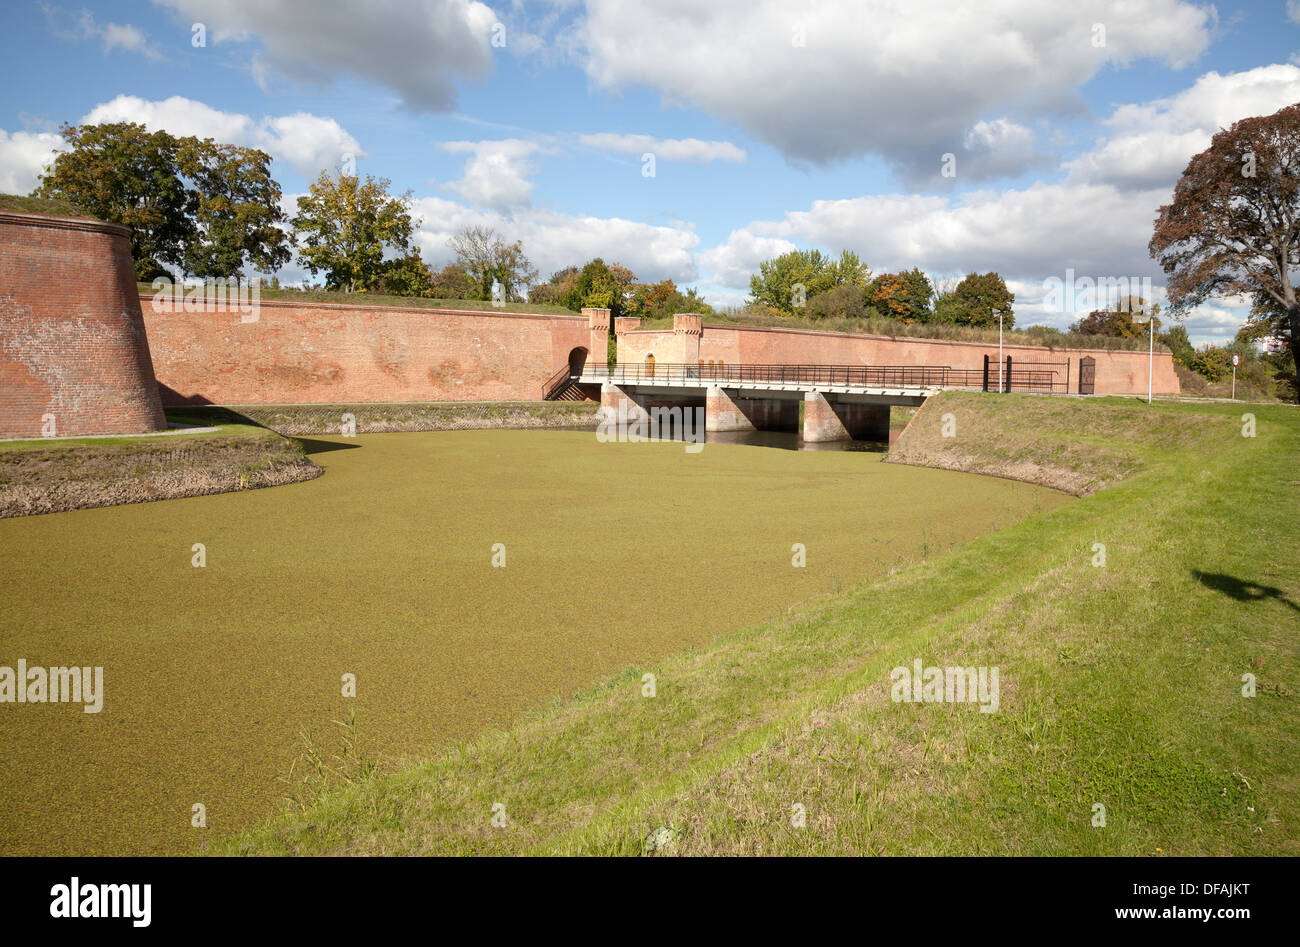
{"x": 1121, "y": 686}
{"x": 225, "y": 427}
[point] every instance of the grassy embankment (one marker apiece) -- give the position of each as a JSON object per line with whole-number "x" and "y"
{"x": 48, "y": 475}
{"x": 1121, "y": 684}
{"x": 306, "y": 419}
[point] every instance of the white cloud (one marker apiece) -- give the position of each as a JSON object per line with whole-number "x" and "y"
{"x": 732, "y": 263}
{"x": 497, "y": 174}
{"x": 906, "y": 81}
{"x": 417, "y": 47}
{"x": 309, "y": 143}
{"x": 554, "y": 240}
{"x": 1027, "y": 235}
{"x": 1152, "y": 142}
{"x": 996, "y": 149}
{"x": 23, "y": 156}
{"x": 667, "y": 149}
{"x": 114, "y": 36}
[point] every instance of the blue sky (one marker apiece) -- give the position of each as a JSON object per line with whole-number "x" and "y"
{"x": 773, "y": 125}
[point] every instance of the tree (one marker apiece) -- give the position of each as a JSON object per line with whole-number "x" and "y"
{"x": 978, "y": 300}
{"x": 1178, "y": 343}
{"x": 842, "y": 302}
{"x": 236, "y": 210}
{"x": 452, "y": 282}
{"x": 904, "y": 296}
{"x": 406, "y": 276}
{"x": 556, "y": 290}
{"x": 1118, "y": 322}
{"x": 663, "y": 299}
{"x": 124, "y": 174}
{"x": 205, "y": 208}
{"x": 787, "y": 282}
{"x": 1234, "y": 224}
{"x": 489, "y": 260}
{"x": 601, "y": 287}
{"x": 345, "y": 226}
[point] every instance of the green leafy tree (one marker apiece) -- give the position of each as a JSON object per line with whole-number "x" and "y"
{"x": 1178, "y": 343}
{"x": 346, "y": 226}
{"x": 1118, "y": 322}
{"x": 786, "y": 282}
{"x": 977, "y": 301}
{"x": 406, "y": 276}
{"x": 236, "y": 210}
{"x": 452, "y": 282}
{"x": 124, "y": 174}
{"x": 663, "y": 299}
{"x": 555, "y": 291}
{"x": 599, "y": 286}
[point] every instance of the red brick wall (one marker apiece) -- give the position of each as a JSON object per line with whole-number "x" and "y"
{"x": 72, "y": 341}
{"x": 1116, "y": 372}
{"x": 311, "y": 353}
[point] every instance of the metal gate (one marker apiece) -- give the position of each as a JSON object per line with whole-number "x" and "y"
{"x": 1087, "y": 374}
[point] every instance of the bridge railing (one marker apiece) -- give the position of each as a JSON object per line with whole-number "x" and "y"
{"x": 852, "y": 376}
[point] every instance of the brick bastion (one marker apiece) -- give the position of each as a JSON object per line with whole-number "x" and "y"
{"x": 74, "y": 356}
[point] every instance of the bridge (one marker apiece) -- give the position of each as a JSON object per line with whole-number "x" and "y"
{"x": 840, "y": 402}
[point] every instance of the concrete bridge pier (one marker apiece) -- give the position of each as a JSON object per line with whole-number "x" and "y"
{"x": 616, "y": 403}
{"x": 727, "y": 412}
{"x": 722, "y": 413}
{"x": 825, "y": 420}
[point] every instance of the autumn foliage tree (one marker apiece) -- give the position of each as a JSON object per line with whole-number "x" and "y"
{"x": 905, "y": 296}
{"x": 1234, "y": 225}
{"x": 345, "y": 226}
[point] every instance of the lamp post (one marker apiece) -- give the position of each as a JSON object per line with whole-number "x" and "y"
{"x": 1151, "y": 352}
{"x": 1001, "y": 387}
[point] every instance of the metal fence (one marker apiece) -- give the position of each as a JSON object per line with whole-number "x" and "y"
{"x": 853, "y": 376}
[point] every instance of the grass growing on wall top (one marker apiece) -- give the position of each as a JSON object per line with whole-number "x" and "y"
{"x": 338, "y": 297}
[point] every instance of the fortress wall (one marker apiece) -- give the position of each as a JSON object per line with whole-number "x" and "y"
{"x": 73, "y": 346}
{"x": 1117, "y": 372}
{"x": 305, "y": 353}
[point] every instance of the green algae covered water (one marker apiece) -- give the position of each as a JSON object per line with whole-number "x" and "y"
{"x": 460, "y": 579}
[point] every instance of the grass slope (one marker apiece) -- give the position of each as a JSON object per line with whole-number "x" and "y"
{"x": 1121, "y": 685}
{"x": 1063, "y": 443}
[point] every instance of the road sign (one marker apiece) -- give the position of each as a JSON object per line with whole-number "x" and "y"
{"x": 1235, "y": 360}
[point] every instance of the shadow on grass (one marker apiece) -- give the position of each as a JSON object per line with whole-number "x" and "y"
{"x": 311, "y": 446}
{"x": 1240, "y": 589}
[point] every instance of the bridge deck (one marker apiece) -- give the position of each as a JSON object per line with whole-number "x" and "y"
{"x": 908, "y": 384}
